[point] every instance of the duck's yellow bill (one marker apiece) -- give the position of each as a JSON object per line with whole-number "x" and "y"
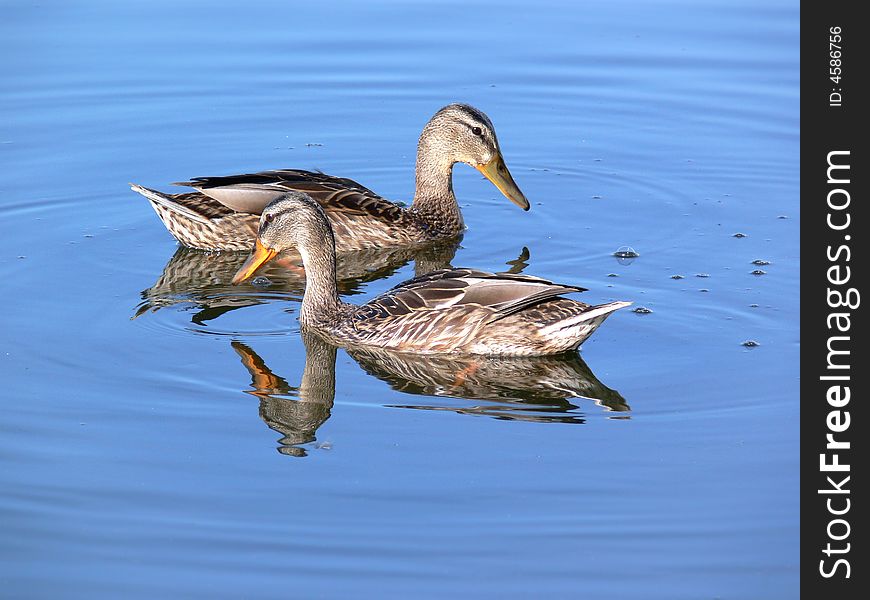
{"x": 497, "y": 172}
{"x": 260, "y": 256}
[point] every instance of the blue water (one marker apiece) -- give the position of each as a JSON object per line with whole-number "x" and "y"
{"x": 140, "y": 457}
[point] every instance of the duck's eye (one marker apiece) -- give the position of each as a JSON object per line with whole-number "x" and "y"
{"x": 477, "y": 131}
{"x": 268, "y": 218}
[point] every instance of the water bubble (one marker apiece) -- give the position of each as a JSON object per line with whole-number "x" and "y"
{"x": 740, "y": 235}
{"x": 704, "y": 290}
{"x": 642, "y": 310}
{"x": 261, "y": 281}
{"x": 677, "y": 277}
{"x": 626, "y": 252}
{"x": 753, "y": 306}
{"x": 759, "y": 272}
{"x": 625, "y": 255}
{"x": 759, "y": 262}
{"x": 702, "y": 275}
{"x": 750, "y": 344}
{"x": 612, "y": 275}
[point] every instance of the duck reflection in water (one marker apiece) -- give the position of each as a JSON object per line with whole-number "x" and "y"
{"x": 202, "y": 279}
{"x": 296, "y": 419}
{"x": 537, "y": 389}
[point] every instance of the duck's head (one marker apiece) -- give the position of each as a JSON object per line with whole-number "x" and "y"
{"x": 294, "y": 220}
{"x": 462, "y": 133}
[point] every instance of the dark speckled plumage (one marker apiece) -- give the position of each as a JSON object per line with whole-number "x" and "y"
{"x": 224, "y": 211}
{"x": 461, "y": 311}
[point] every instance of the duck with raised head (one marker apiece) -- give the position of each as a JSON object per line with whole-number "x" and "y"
{"x": 449, "y": 311}
{"x": 223, "y": 214}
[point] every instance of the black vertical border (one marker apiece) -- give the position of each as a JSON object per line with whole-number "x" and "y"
{"x": 826, "y": 128}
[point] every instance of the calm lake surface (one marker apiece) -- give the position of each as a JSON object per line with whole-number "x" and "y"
{"x": 155, "y": 438}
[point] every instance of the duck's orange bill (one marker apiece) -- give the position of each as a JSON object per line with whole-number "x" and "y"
{"x": 497, "y": 172}
{"x": 260, "y": 256}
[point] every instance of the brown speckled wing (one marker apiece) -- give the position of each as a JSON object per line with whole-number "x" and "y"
{"x": 332, "y": 193}
{"x": 501, "y": 294}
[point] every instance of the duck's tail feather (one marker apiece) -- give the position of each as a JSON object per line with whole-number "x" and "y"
{"x": 166, "y": 201}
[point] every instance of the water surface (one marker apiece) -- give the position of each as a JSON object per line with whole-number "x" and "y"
{"x": 158, "y": 437}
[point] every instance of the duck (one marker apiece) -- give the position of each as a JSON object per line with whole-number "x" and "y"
{"x": 223, "y": 213}
{"x": 446, "y": 311}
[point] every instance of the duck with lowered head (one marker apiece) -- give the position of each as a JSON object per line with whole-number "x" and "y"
{"x": 460, "y": 311}
{"x": 223, "y": 213}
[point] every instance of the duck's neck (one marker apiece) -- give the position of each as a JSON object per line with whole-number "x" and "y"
{"x": 320, "y": 302}
{"x": 433, "y": 196}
